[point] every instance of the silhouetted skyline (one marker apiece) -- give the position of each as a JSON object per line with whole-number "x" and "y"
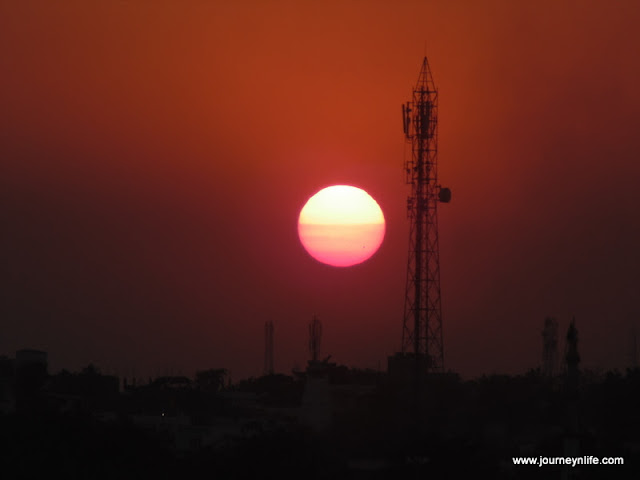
{"x": 155, "y": 158}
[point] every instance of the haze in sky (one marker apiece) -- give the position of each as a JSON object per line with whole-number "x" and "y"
{"x": 155, "y": 157}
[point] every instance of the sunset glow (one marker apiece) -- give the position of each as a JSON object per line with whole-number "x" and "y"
{"x": 156, "y": 156}
{"x": 341, "y": 226}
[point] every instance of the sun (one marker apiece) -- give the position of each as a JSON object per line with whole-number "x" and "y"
{"x": 341, "y": 226}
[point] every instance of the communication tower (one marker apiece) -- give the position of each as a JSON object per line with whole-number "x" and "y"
{"x": 572, "y": 357}
{"x": 422, "y": 329}
{"x": 268, "y": 348}
{"x": 315, "y": 335}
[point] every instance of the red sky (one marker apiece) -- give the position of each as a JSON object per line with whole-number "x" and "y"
{"x": 155, "y": 157}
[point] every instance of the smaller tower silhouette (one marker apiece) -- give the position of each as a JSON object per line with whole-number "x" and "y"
{"x": 268, "y": 348}
{"x": 572, "y": 357}
{"x": 549, "y": 347}
{"x": 315, "y": 335}
{"x": 317, "y": 409}
{"x": 572, "y": 436}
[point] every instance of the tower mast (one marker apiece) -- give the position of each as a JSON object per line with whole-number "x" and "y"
{"x": 315, "y": 335}
{"x": 422, "y": 329}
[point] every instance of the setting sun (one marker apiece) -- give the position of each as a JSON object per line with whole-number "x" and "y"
{"x": 341, "y": 226}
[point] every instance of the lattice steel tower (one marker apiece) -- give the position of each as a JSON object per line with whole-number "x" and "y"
{"x": 422, "y": 330}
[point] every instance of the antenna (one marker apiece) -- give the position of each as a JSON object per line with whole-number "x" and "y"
{"x": 315, "y": 335}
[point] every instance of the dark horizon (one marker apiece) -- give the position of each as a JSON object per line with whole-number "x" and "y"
{"x": 556, "y": 368}
{"x": 328, "y": 421}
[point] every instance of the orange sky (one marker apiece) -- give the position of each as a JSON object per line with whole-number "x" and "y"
{"x": 155, "y": 156}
